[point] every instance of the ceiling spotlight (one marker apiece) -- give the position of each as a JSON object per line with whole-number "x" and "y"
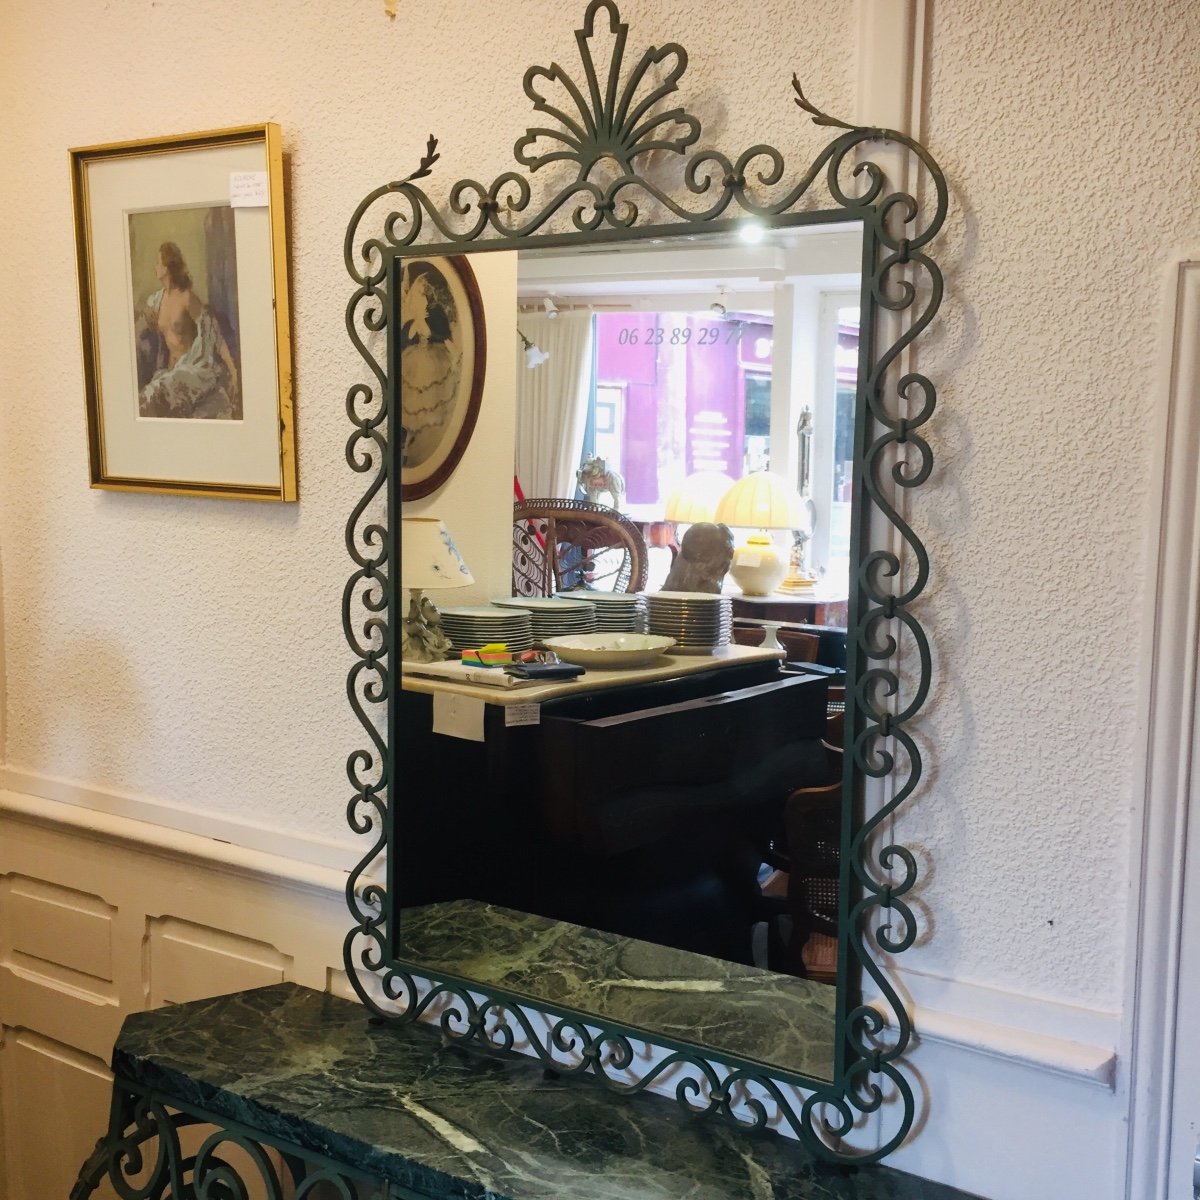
{"x": 751, "y": 232}
{"x": 550, "y": 307}
{"x": 534, "y": 354}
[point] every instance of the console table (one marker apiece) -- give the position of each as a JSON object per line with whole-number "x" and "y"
{"x": 306, "y": 1092}
{"x": 811, "y": 609}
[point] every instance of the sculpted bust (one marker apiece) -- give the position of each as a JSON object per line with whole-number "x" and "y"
{"x": 704, "y": 556}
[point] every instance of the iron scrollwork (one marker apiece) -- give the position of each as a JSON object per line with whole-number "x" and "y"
{"x": 142, "y": 1156}
{"x": 606, "y": 128}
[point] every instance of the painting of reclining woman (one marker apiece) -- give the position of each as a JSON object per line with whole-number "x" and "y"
{"x": 184, "y": 273}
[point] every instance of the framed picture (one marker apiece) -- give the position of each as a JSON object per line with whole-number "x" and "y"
{"x": 182, "y": 256}
{"x": 440, "y": 351}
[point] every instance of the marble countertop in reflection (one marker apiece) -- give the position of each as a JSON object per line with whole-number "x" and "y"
{"x": 741, "y": 1010}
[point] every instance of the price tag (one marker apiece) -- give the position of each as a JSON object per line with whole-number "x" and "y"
{"x": 522, "y": 714}
{"x": 458, "y": 716}
{"x": 248, "y": 189}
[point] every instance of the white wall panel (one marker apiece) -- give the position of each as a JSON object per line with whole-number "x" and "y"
{"x": 188, "y": 962}
{"x": 95, "y": 925}
{"x": 53, "y": 1093}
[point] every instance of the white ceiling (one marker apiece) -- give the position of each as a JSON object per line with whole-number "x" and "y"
{"x": 693, "y": 270}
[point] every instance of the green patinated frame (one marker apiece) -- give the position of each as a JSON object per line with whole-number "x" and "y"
{"x": 619, "y": 119}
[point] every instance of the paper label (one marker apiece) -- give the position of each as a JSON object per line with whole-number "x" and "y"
{"x": 522, "y": 714}
{"x": 248, "y": 189}
{"x": 458, "y": 716}
{"x": 749, "y": 558}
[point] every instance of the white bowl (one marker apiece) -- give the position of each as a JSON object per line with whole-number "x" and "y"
{"x": 610, "y": 651}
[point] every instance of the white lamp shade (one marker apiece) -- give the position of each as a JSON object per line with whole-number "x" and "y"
{"x": 428, "y": 556}
{"x": 695, "y": 499}
{"x": 763, "y": 500}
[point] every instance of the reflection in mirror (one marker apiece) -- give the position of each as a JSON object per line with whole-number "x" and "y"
{"x": 700, "y": 354}
{"x": 696, "y": 807}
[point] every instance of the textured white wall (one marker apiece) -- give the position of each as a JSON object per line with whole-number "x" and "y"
{"x": 190, "y": 651}
{"x": 1067, "y": 135}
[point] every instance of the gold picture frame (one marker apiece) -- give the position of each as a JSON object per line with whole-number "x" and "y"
{"x": 181, "y": 248}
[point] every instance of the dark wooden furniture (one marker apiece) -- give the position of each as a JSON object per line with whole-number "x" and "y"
{"x": 811, "y": 610}
{"x": 644, "y": 809}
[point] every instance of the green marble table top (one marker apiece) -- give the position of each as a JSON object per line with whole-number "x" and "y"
{"x": 777, "y": 1020}
{"x": 392, "y": 1101}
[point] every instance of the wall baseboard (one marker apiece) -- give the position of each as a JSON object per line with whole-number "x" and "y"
{"x": 1032, "y": 1031}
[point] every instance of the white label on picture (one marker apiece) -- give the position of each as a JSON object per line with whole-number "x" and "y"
{"x": 458, "y": 716}
{"x": 522, "y": 714}
{"x": 248, "y": 189}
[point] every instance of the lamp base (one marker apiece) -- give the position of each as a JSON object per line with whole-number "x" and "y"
{"x": 757, "y": 567}
{"x": 796, "y": 582}
{"x": 422, "y": 638}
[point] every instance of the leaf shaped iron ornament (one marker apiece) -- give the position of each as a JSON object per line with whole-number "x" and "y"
{"x": 615, "y": 121}
{"x": 617, "y": 117}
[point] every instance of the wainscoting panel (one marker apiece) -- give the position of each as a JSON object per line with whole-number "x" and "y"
{"x": 190, "y": 962}
{"x": 52, "y": 1093}
{"x": 103, "y": 916}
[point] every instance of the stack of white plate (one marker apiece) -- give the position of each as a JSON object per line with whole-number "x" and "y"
{"x": 616, "y": 612}
{"x": 551, "y": 617}
{"x": 470, "y": 626}
{"x": 700, "y": 622}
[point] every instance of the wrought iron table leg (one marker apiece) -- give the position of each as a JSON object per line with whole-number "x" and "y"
{"x": 140, "y": 1120}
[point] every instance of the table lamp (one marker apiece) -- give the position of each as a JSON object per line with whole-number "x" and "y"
{"x": 429, "y": 559}
{"x": 761, "y": 501}
{"x": 696, "y": 498}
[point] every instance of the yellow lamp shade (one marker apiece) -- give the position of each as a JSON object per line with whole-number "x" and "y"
{"x": 696, "y": 498}
{"x": 763, "y": 500}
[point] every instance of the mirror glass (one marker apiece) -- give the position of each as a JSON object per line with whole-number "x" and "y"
{"x": 666, "y": 357}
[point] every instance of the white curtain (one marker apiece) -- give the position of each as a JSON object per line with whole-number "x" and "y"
{"x": 552, "y": 403}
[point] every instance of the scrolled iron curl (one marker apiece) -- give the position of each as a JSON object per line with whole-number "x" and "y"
{"x": 871, "y": 754}
{"x": 885, "y": 564}
{"x": 366, "y": 588}
{"x": 372, "y": 680}
{"x": 366, "y": 808}
{"x": 918, "y": 322}
{"x": 366, "y": 440}
{"x": 373, "y": 250}
{"x": 150, "y": 1120}
{"x": 368, "y": 307}
{"x": 889, "y": 647}
{"x": 875, "y": 179}
{"x": 215, "y": 1177}
{"x": 308, "y": 1185}
{"x": 901, "y": 738}
{"x": 572, "y": 1036}
{"x": 888, "y": 897}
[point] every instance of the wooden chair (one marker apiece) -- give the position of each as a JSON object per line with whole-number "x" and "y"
{"x": 562, "y": 545}
{"x": 813, "y": 850}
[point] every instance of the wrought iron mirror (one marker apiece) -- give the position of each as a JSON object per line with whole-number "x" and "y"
{"x": 618, "y": 143}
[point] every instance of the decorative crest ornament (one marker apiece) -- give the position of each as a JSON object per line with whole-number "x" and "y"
{"x": 619, "y": 123}
{"x": 616, "y": 117}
